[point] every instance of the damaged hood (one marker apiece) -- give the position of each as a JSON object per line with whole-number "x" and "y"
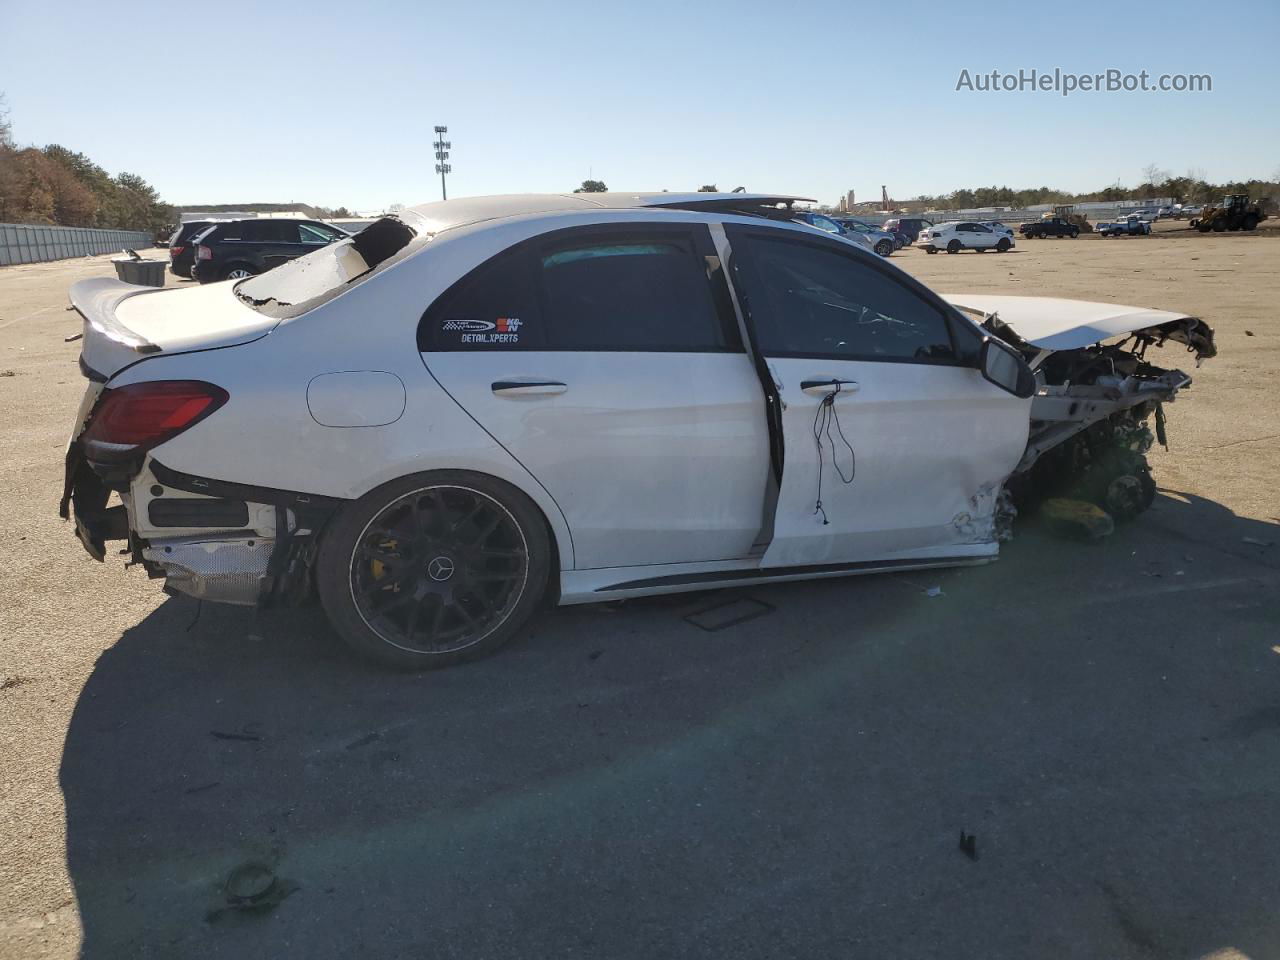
{"x": 1050, "y": 323}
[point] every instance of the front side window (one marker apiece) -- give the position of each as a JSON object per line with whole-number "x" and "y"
{"x": 824, "y": 223}
{"x": 808, "y": 300}
{"x": 313, "y": 234}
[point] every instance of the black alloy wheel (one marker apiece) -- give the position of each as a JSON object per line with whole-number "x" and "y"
{"x": 424, "y": 574}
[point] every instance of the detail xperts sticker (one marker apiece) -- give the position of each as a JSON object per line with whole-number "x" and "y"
{"x": 501, "y": 330}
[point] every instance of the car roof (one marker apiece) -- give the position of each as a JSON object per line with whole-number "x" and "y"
{"x": 445, "y": 214}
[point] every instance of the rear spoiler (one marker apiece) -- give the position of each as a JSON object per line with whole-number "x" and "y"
{"x": 96, "y": 301}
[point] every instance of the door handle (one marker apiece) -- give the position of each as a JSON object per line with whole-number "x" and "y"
{"x": 829, "y": 385}
{"x": 527, "y": 388}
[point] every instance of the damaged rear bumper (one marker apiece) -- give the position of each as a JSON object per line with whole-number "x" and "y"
{"x": 223, "y": 570}
{"x": 210, "y": 539}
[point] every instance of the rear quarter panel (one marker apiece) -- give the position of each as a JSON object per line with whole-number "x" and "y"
{"x": 266, "y": 435}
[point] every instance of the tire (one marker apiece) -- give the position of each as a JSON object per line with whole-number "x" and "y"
{"x": 1250, "y": 222}
{"x": 1219, "y": 224}
{"x": 953, "y": 246}
{"x": 1075, "y": 234}
{"x": 471, "y": 554}
{"x": 884, "y": 248}
{"x": 238, "y": 271}
{"x": 930, "y": 250}
{"x": 1004, "y": 245}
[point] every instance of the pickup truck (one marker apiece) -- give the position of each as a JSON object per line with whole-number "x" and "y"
{"x": 1131, "y": 226}
{"x": 1050, "y": 227}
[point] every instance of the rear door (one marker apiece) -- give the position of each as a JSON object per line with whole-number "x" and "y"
{"x": 894, "y": 446}
{"x": 607, "y": 360}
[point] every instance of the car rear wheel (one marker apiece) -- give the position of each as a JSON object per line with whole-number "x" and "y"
{"x": 434, "y": 569}
{"x": 953, "y": 246}
{"x": 238, "y": 271}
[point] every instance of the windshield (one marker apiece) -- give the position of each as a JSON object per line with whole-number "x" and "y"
{"x": 308, "y": 281}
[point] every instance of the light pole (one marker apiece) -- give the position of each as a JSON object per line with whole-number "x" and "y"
{"x": 442, "y": 155}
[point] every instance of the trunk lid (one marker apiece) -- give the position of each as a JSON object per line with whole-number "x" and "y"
{"x": 125, "y": 323}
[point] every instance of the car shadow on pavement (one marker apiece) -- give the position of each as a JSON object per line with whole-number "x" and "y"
{"x": 623, "y": 783}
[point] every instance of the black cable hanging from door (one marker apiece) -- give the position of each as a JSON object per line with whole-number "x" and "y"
{"x": 823, "y": 417}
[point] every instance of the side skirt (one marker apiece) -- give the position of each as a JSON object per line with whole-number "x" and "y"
{"x": 593, "y": 586}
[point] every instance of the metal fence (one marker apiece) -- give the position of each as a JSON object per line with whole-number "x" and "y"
{"x": 28, "y": 243}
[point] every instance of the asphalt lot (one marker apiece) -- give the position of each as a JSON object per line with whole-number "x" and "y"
{"x": 1104, "y": 717}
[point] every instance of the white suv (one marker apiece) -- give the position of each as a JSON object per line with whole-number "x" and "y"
{"x": 964, "y": 235}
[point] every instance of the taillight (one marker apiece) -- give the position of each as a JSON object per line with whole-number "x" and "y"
{"x": 143, "y": 415}
{"x": 203, "y": 252}
{"x": 175, "y": 251}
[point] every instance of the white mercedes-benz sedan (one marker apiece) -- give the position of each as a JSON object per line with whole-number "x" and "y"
{"x": 477, "y": 406}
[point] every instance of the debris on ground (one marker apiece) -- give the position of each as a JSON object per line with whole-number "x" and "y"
{"x": 969, "y": 845}
{"x": 8, "y": 373}
{"x": 1248, "y": 333}
{"x": 1077, "y": 519}
{"x": 728, "y": 613}
{"x": 252, "y": 887}
{"x": 224, "y": 735}
{"x": 9, "y": 682}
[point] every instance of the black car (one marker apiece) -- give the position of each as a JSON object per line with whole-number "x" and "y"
{"x": 182, "y": 251}
{"x": 1049, "y": 227}
{"x": 910, "y": 226}
{"x": 241, "y": 248}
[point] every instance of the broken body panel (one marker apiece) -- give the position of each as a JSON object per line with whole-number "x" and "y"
{"x": 1095, "y": 390}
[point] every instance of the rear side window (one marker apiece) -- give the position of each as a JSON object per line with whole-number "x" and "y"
{"x": 628, "y": 294}
{"x": 812, "y": 301}
{"x": 269, "y": 231}
{"x": 493, "y": 307}
{"x": 607, "y": 291}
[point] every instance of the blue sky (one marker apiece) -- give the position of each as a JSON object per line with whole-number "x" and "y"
{"x": 334, "y": 103}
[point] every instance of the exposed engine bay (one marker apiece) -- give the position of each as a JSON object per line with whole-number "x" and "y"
{"x": 1096, "y": 403}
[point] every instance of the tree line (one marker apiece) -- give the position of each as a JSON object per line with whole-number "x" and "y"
{"x": 1193, "y": 187}
{"x": 56, "y": 185}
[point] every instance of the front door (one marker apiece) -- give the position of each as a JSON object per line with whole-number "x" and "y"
{"x": 607, "y": 360}
{"x": 894, "y": 446}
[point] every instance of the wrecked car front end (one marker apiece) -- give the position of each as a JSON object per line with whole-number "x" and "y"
{"x": 1098, "y": 394}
